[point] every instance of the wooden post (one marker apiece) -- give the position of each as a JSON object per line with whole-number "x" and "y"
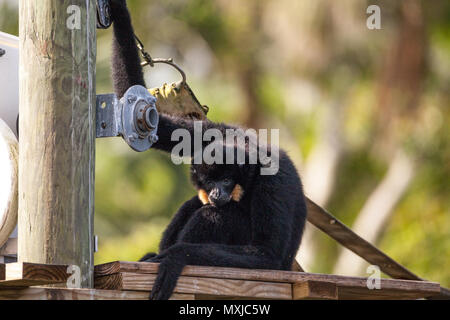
{"x": 57, "y": 133}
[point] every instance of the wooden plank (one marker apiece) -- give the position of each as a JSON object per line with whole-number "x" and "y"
{"x": 199, "y": 286}
{"x": 108, "y": 268}
{"x": 296, "y": 266}
{"x": 424, "y": 287}
{"x": 334, "y": 228}
{"x": 37, "y": 293}
{"x": 349, "y": 239}
{"x": 443, "y": 295}
{"x": 2, "y": 271}
{"x": 31, "y": 274}
{"x": 349, "y": 293}
{"x": 57, "y": 133}
{"x": 317, "y": 290}
{"x": 110, "y": 282}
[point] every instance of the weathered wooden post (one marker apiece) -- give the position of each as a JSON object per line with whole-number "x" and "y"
{"x": 57, "y": 133}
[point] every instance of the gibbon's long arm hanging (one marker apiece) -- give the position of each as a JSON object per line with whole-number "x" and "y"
{"x": 132, "y": 112}
{"x": 250, "y": 220}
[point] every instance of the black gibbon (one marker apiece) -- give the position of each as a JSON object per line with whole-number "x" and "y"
{"x": 239, "y": 218}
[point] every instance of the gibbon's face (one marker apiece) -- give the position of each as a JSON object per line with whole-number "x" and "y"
{"x": 217, "y": 184}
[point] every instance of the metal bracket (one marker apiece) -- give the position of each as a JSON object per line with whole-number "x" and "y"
{"x": 103, "y": 14}
{"x": 2, "y": 52}
{"x": 134, "y": 117}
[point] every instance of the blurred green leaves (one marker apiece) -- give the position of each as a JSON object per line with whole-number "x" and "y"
{"x": 286, "y": 64}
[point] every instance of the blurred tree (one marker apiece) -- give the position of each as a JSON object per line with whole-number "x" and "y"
{"x": 355, "y": 107}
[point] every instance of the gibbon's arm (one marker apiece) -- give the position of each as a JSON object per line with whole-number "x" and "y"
{"x": 178, "y": 222}
{"x": 127, "y": 71}
{"x": 168, "y": 124}
{"x": 126, "y": 65}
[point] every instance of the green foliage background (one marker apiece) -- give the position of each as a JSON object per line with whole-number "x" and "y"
{"x": 284, "y": 64}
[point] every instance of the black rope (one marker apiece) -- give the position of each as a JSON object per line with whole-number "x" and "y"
{"x": 151, "y": 62}
{"x": 145, "y": 55}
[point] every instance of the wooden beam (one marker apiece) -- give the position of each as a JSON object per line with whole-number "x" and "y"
{"x": 348, "y": 293}
{"x": 334, "y": 228}
{"x": 2, "y": 271}
{"x": 297, "y": 267}
{"x": 57, "y": 133}
{"x": 38, "y": 293}
{"x": 261, "y": 275}
{"x": 345, "y": 236}
{"x": 317, "y": 290}
{"x": 199, "y": 286}
{"x": 110, "y": 282}
{"x": 30, "y": 274}
{"x": 444, "y": 295}
{"x": 345, "y": 284}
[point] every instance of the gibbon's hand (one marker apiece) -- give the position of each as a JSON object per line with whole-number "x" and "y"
{"x": 148, "y": 256}
{"x": 118, "y": 9}
{"x": 115, "y": 3}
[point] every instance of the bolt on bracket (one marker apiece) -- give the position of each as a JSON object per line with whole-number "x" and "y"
{"x": 103, "y": 14}
{"x": 134, "y": 117}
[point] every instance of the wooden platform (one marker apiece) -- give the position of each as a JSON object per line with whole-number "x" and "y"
{"x": 42, "y": 293}
{"x": 133, "y": 281}
{"x": 222, "y": 283}
{"x": 20, "y": 274}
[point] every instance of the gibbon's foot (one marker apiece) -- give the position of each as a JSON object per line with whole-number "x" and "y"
{"x": 168, "y": 272}
{"x": 148, "y": 256}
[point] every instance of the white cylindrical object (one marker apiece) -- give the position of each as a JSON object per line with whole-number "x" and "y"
{"x": 9, "y": 80}
{"x": 9, "y": 155}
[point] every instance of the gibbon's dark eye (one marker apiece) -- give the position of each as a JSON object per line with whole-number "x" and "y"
{"x": 227, "y": 182}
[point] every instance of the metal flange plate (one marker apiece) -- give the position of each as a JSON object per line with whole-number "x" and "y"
{"x": 134, "y": 117}
{"x": 136, "y": 98}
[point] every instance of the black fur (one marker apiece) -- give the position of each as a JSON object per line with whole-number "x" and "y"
{"x": 127, "y": 70}
{"x": 262, "y": 231}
